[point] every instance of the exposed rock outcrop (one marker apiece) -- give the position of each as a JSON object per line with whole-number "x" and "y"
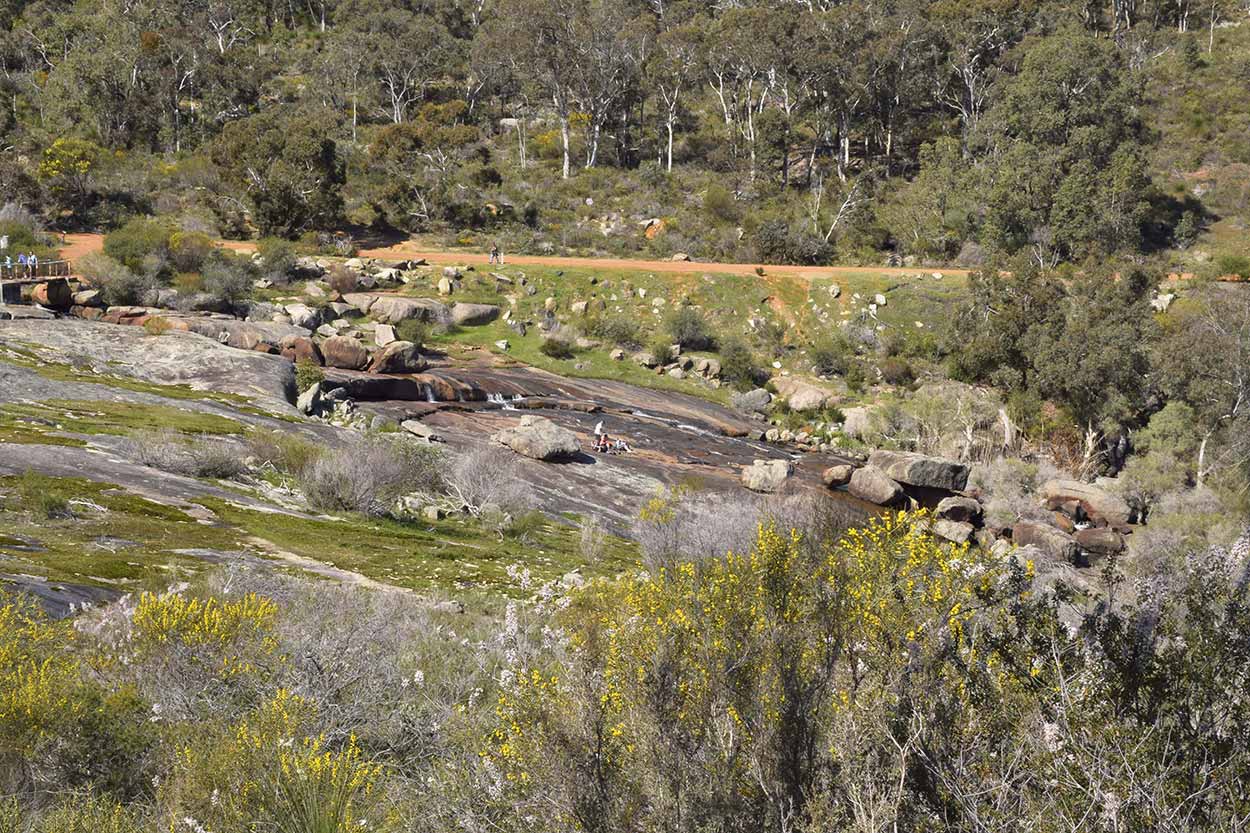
{"x": 875, "y": 486}
{"x": 540, "y": 439}
{"x": 1053, "y": 542}
{"x": 919, "y": 470}
{"x": 767, "y": 476}
{"x": 345, "y": 353}
{"x": 1099, "y": 505}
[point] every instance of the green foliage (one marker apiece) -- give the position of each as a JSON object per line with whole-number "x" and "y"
{"x": 417, "y": 332}
{"x": 141, "y": 245}
{"x": 738, "y": 365}
{"x": 622, "y": 330}
{"x": 832, "y": 355}
{"x": 689, "y": 327}
{"x": 556, "y": 347}
{"x": 307, "y": 374}
{"x": 285, "y": 163}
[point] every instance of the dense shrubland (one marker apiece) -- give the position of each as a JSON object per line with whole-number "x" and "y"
{"x": 810, "y": 681}
{"x": 769, "y": 130}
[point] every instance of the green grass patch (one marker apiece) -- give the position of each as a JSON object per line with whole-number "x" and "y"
{"x": 106, "y": 536}
{"x": 453, "y": 554}
{"x": 41, "y": 421}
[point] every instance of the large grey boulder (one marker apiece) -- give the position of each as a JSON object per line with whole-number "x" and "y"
{"x": 956, "y": 532}
{"x": 920, "y": 470}
{"x": 1100, "y": 540}
{"x": 393, "y": 310}
{"x": 540, "y": 439}
{"x": 838, "y": 475}
{"x": 753, "y": 401}
{"x": 766, "y": 476}
{"x": 1053, "y": 542}
{"x": 856, "y": 421}
{"x": 344, "y": 352}
{"x": 960, "y": 509}
{"x": 260, "y": 336}
{"x": 398, "y": 357}
{"x": 1098, "y": 504}
{"x": 875, "y": 486}
{"x": 302, "y": 315}
{"x": 473, "y": 315}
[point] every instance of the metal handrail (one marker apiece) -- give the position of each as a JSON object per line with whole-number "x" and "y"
{"x": 44, "y": 269}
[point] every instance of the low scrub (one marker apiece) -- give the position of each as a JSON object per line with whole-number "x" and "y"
{"x": 370, "y": 474}
{"x": 190, "y": 456}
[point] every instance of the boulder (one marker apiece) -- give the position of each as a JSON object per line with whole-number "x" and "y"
{"x": 300, "y": 349}
{"x": 839, "y": 475}
{"x": 420, "y": 429}
{"x": 879, "y": 300}
{"x": 646, "y": 359}
{"x": 393, "y": 309}
{"x": 344, "y": 352}
{"x": 753, "y": 401}
{"x": 539, "y": 439}
{"x": 1100, "y": 505}
{"x": 801, "y": 395}
{"x": 957, "y": 532}
{"x": 960, "y": 509}
{"x": 681, "y": 257}
{"x": 398, "y": 357}
{"x": 857, "y": 421}
{"x": 445, "y": 286}
{"x": 921, "y": 470}
{"x": 766, "y": 476}
{"x": 1100, "y": 540}
{"x": 242, "y": 335}
{"x": 362, "y": 301}
{"x": 309, "y": 402}
{"x": 1053, "y": 542}
{"x": 53, "y": 294}
{"x": 89, "y": 298}
{"x": 383, "y": 334}
{"x": 473, "y": 315}
{"x": 302, "y": 315}
{"x": 875, "y": 486}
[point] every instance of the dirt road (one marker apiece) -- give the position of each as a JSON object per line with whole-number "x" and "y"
{"x": 78, "y": 245}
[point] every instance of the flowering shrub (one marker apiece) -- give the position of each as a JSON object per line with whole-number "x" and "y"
{"x": 213, "y": 630}
{"x": 38, "y": 676}
{"x": 732, "y": 682}
{"x": 268, "y": 772}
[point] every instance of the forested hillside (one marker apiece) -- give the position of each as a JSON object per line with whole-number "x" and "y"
{"x": 773, "y": 130}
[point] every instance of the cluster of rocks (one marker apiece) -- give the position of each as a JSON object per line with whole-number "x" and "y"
{"x": 676, "y": 364}
{"x": 1076, "y": 523}
{"x": 351, "y": 331}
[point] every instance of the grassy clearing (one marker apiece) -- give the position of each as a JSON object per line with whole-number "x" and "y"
{"x": 45, "y": 422}
{"x": 102, "y": 535}
{"x": 791, "y": 312}
{"x": 108, "y": 536}
{"x": 452, "y": 554}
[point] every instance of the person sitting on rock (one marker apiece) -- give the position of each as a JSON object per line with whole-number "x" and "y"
{"x": 620, "y": 446}
{"x": 604, "y": 445}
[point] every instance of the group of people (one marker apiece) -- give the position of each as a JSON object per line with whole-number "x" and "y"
{"x": 27, "y": 266}
{"x": 606, "y": 445}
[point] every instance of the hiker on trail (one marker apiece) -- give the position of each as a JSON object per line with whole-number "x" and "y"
{"x": 495, "y": 257}
{"x": 598, "y": 429}
{"x": 21, "y": 263}
{"x": 34, "y": 264}
{"x": 8, "y": 266}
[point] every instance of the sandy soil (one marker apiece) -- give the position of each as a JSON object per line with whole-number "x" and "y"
{"x": 78, "y": 245}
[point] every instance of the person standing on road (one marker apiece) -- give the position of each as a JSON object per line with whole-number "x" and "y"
{"x": 495, "y": 257}
{"x": 34, "y": 265}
